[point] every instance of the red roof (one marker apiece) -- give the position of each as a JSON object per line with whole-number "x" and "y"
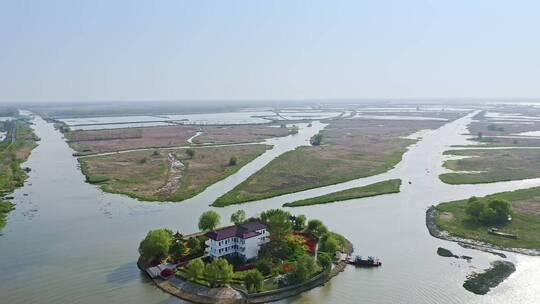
{"x": 244, "y": 231}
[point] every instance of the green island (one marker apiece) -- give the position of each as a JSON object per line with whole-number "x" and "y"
{"x": 506, "y": 220}
{"x": 255, "y": 260}
{"x": 168, "y": 174}
{"x": 14, "y": 149}
{"x": 345, "y": 150}
{"x": 384, "y": 187}
{"x": 482, "y": 282}
{"x": 492, "y": 165}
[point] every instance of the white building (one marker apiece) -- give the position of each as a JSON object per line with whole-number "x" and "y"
{"x": 243, "y": 240}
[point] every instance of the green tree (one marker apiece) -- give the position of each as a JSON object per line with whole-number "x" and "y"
{"x": 329, "y": 244}
{"x": 218, "y": 272}
{"x": 233, "y": 161}
{"x": 324, "y": 260}
{"x": 253, "y": 280}
{"x": 303, "y": 269}
{"x": 316, "y": 228}
{"x": 194, "y": 269}
{"x": 501, "y": 210}
{"x": 474, "y": 208}
{"x": 278, "y": 222}
{"x": 265, "y": 266}
{"x": 299, "y": 222}
{"x": 177, "y": 248}
{"x": 190, "y": 153}
{"x": 156, "y": 244}
{"x": 316, "y": 140}
{"x": 209, "y": 220}
{"x": 238, "y": 217}
{"x": 195, "y": 244}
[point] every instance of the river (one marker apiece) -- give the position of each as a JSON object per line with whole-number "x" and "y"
{"x": 68, "y": 242}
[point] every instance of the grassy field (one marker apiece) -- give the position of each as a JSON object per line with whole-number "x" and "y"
{"x": 495, "y": 165}
{"x": 384, "y": 187}
{"x": 145, "y": 174}
{"x": 350, "y": 149}
{"x": 11, "y": 157}
{"x": 110, "y": 140}
{"x": 525, "y": 222}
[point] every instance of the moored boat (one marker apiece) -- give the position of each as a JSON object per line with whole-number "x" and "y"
{"x": 370, "y": 261}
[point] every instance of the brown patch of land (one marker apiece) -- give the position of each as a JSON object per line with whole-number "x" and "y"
{"x": 350, "y": 149}
{"x": 239, "y": 134}
{"x": 531, "y": 206}
{"x": 111, "y": 140}
{"x": 492, "y": 165}
{"x": 153, "y": 175}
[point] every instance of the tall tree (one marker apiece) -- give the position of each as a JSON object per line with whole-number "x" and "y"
{"x": 194, "y": 269}
{"x": 209, "y": 220}
{"x": 253, "y": 280}
{"x": 218, "y": 272}
{"x": 238, "y": 217}
{"x": 278, "y": 221}
{"x": 156, "y": 244}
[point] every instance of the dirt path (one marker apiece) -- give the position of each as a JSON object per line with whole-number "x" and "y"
{"x": 175, "y": 174}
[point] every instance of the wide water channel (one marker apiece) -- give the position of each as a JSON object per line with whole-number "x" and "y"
{"x": 68, "y": 242}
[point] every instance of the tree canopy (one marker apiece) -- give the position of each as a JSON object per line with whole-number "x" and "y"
{"x": 494, "y": 212}
{"x": 304, "y": 268}
{"x": 209, "y": 220}
{"x": 253, "y": 280}
{"x": 156, "y": 244}
{"x": 218, "y": 272}
{"x": 238, "y": 217}
{"x": 316, "y": 228}
{"x": 194, "y": 269}
{"x": 278, "y": 222}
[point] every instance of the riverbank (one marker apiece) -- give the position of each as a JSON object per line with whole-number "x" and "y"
{"x": 14, "y": 150}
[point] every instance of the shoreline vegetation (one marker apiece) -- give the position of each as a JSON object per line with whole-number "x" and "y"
{"x": 300, "y": 255}
{"x": 344, "y": 151}
{"x": 380, "y": 188}
{"x": 450, "y": 221}
{"x": 14, "y": 150}
{"x": 173, "y": 175}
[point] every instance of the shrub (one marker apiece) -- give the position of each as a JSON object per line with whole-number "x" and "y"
{"x": 190, "y": 153}
{"x": 233, "y": 161}
{"x": 265, "y": 266}
{"x": 253, "y": 280}
{"x": 324, "y": 260}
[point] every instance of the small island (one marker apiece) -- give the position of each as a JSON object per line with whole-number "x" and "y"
{"x": 256, "y": 260}
{"x": 507, "y": 221}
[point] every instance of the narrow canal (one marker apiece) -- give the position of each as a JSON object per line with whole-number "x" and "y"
{"x": 68, "y": 242}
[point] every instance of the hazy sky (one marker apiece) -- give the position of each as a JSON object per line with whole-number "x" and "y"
{"x": 168, "y": 50}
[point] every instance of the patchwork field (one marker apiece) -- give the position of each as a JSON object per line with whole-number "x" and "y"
{"x": 492, "y": 166}
{"x": 525, "y": 222}
{"x": 350, "y": 149}
{"x": 110, "y": 140}
{"x": 166, "y": 175}
{"x": 506, "y": 131}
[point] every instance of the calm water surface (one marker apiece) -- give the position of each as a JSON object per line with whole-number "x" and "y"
{"x": 68, "y": 242}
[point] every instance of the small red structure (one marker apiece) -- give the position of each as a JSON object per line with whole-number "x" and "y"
{"x": 287, "y": 267}
{"x": 167, "y": 272}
